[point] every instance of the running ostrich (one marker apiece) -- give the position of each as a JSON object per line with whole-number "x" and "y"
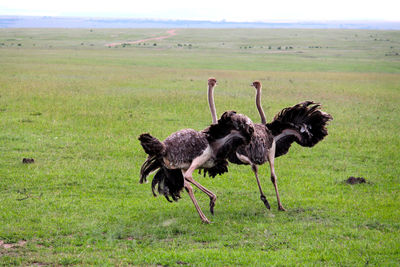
{"x": 187, "y": 150}
{"x": 303, "y": 123}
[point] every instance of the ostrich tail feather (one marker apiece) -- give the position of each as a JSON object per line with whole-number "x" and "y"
{"x": 169, "y": 182}
{"x": 303, "y": 123}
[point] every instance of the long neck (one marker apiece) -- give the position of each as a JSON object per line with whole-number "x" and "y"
{"x": 212, "y": 104}
{"x": 258, "y": 104}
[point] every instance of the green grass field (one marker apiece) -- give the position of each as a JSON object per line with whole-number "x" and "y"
{"x": 77, "y": 107}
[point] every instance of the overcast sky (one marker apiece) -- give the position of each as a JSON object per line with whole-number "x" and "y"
{"x": 230, "y": 10}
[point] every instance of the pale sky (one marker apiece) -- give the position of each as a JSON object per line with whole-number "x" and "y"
{"x": 230, "y": 10}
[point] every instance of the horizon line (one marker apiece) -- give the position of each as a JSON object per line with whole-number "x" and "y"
{"x": 201, "y": 20}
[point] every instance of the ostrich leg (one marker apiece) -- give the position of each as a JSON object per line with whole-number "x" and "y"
{"x": 189, "y": 189}
{"x": 212, "y": 196}
{"x": 246, "y": 160}
{"x": 188, "y": 175}
{"x": 271, "y": 157}
{"x": 262, "y": 197}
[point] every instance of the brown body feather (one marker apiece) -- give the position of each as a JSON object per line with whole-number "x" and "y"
{"x": 257, "y": 149}
{"x": 183, "y": 146}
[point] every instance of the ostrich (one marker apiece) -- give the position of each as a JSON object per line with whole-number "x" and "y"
{"x": 187, "y": 150}
{"x": 303, "y": 123}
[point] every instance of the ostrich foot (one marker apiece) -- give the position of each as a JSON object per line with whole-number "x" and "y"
{"x": 205, "y": 220}
{"x": 264, "y": 199}
{"x": 212, "y": 204}
{"x": 281, "y": 208}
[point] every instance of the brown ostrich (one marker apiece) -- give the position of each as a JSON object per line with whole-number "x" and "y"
{"x": 184, "y": 151}
{"x": 303, "y": 123}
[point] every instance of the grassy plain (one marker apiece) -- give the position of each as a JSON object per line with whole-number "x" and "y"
{"x": 77, "y": 107}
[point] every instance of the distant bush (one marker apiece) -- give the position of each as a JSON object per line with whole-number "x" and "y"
{"x": 185, "y": 45}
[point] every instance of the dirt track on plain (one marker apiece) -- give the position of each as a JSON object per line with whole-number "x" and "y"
{"x": 169, "y": 32}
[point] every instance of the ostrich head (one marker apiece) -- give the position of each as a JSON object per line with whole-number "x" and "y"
{"x": 256, "y": 84}
{"x": 212, "y": 81}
